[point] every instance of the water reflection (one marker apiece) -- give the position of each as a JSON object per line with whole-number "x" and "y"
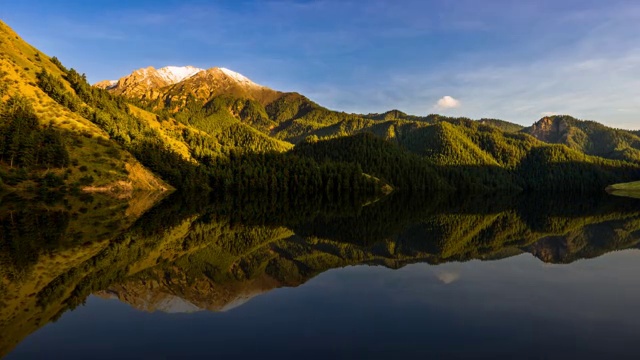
{"x": 189, "y": 254}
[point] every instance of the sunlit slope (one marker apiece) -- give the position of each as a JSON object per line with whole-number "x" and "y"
{"x": 88, "y": 145}
{"x": 589, "y": 137}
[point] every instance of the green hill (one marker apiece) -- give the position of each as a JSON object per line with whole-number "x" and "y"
{"x": 502, "y": 125}
{"x": 106, "y": 137}
{"x": 93, "y": 157}
{"x": 589, "y": 137}
{"x": 217, "y": 130}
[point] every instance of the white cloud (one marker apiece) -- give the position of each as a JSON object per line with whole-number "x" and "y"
{"x": 448, "y": 277}
{"x": 447, "y": 102}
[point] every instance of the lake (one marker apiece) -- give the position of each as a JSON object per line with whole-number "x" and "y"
{"x": 398, "y": 277}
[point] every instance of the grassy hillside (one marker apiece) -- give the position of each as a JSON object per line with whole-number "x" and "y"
{"x": 105, "y": 135}
{"x": 92, "y": 151}
{"x": 210, "y": 131}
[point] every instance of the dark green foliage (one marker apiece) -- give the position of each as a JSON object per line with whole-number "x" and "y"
{"x": 226, "y": 132}
{"x": 86, "y": 180}
{"x": 298, "y": 116}
{"x": 57, "y": 63}
{"x": 55, "y": 89}
{"x": 556, "y": 167}
{"x": 247, "y": 111}
{"x": 393, "y": 115}
{"x": 23, "y": 143}
{"x": 502, "y": 125}
{"x": 26, "y": 234}
{"x": 288, "y": 175}
{"x": 378, "y": 158}
{"x": 51, "y": 180}
{"x": 112, "y": 114}
{"x": 177, "y": 171}
{"x": 290, "y": 107}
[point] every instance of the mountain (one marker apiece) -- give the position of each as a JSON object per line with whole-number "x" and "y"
{"x": 85, "y": 155}
{"x": 141, "y": 81}
{"x": 502, "y": 125}
{"x": 170, "y": 86}
{"x": 86, "y": 138}
{"x": 589, "y": 137}
{"x": 215, "y": 96}
{"x": 487, "y": 153}
{"x": 215, "y": 129}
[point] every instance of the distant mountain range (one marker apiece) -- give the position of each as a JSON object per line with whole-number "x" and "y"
{"x": 184, "y": 127}
{"x": 172, "y": 87}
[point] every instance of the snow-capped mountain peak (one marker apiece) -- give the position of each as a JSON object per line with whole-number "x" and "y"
{"x": 237, "y": 77}
{"x": 175, "y": 74}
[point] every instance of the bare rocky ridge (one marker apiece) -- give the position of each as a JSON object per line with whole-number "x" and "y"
{"x": 550, "y": 129}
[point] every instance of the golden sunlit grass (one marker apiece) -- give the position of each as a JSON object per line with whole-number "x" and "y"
{"x": 92, "y": 153}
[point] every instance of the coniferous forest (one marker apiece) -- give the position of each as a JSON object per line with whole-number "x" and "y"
{"x": 186, "y": 211}
{"x": 259, "y": 140}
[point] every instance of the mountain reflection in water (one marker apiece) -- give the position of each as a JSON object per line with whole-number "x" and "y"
{"x": 189, "y": 254}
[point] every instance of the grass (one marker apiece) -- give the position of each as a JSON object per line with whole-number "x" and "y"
{"x": 89, "y": 146}
{"x": 631, "y": 189}
{"x": 632, "y": 186}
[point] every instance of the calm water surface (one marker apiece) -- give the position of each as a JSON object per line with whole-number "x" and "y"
{"x": 453, "y": 279}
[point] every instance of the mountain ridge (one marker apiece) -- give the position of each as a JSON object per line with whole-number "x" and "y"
{"x": 216, "y": 129}
{"x": 94, "y": 158}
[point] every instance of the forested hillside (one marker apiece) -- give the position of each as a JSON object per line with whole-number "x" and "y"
{"x": 589, "y": 137}
{"x": 216, "y": 130}
{"x": 49, "y": 144}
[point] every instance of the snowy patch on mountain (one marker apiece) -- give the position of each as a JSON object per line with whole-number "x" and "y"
{"x": 238, "y": 77}
{"x": 175, "y": 74}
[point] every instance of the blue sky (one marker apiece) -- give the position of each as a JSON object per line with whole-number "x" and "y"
{"x": 514, "y": 60}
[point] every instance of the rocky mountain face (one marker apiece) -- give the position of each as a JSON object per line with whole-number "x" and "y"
{"x": 143, "y": 80}
{"x": 550, "y": 129}
{"x": 218, "y": 95}
{"x": 589, "y": 137}
{"x": 172, "y": 85}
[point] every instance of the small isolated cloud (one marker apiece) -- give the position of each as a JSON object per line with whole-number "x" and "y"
{"x": 447, "y": 102}
{"x": 448, "y": 277}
